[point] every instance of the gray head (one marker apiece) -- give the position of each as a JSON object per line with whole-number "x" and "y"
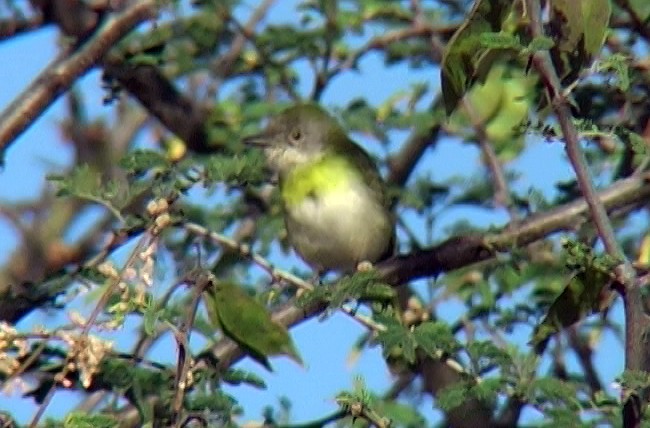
{"x": 299, "y": 134}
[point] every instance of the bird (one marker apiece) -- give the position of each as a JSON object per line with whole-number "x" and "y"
{"x": 335, "y": 204}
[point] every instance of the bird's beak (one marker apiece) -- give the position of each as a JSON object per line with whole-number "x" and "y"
{"x": 263, "y": 139}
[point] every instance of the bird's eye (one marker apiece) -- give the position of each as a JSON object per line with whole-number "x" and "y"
{"x": 295, "y": 136}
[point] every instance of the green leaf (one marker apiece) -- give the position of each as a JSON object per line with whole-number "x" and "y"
{"x": 151, "y": 314}
{"x": 247, "y": 167}
{"x": 580, "y": 27}
{"x": 486, "y": 355}
{"x": 641, "y": 8}
{"x": 237, "y": 377}
{"x": 500, "y": 106}
{"x": 401, "y": 415}
{"x": 359, "y": 394}
{"x": 361, "y": 285}
{"x": 120, "y": 374}
{"x": 545, "y": 389}
{"x": 586, "y": 293}
{"x": 467, "y": 58}
{"x": 215, "y": 401}
{"x": 638, "y": 143}
{"x": 434, "y": 338}
{"x": 247, "y": 322}
{"x": 453, "y": 396}
{"x": 85, "y": 420}
{"x": 487, "y": 390}
{"x": 540, "y": 43}
{"x": 617, "y": 64}
{"x": 635, "y": 380}
{"x": 397, "y": 341}
{"x": 141, "y": 161}
{"x": 87, "y": 183}
{"x": 595, "y": 16}
{"x": 500, "y": 40}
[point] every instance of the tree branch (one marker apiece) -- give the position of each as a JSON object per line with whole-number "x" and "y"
{"x": 637, "y": 325}
{"x": 402, "y": 163}
{"x": 542, "y": 62}
{"x": 456, "y": 253}
{"x": 63, "y": 72}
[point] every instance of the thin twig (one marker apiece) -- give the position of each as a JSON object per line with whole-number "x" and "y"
{"x": 183, "y": 340}
{"x": 339, "y": 414}
{"x": 463, "y": 251}
{"x": 641, "y": 26}
{"x": 583, "y": 350}
{"x": 543, "y": 64}
{"x": 365, "y": 321}
{"x": 99, "y": 306}
{"x": 246, "y": 251}
{"x": 402, "y": 163}
{"x": 501, "y": 190}
{"x": 637, "y": 323}
{"x": 275, "y": 273}
{"x": 16, "y": 26}
{"x": 225, "y": 62}
{"x": 380, "y": 42}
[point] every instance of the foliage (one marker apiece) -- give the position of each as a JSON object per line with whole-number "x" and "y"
{"x": 161, "y": 230}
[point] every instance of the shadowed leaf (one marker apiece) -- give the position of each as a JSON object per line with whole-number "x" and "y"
{"x": 247, "y": 322}
{"x": 586, "y": 293}
{"x": 579, "y": 28}
{"x": 467, "y": 58}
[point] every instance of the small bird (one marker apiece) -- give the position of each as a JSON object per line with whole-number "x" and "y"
{"x": 336, "y": 209}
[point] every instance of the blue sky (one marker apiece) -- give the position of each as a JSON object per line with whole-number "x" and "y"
{"x": 325, "y": 345}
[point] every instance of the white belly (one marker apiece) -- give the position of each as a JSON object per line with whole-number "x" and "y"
{"x": 340, "y": 229}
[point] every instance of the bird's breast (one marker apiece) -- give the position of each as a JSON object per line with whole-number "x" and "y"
{"x": 338, "y": 229}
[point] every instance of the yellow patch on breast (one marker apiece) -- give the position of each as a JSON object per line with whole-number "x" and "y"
{"x": 317, "y": 178}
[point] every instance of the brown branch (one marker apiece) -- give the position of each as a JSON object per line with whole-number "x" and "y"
{"x": 13, "y": 27}
{"x": 380, "y": 42}
{"x": 641, "y": 27}
{"x": 462, "y": 251}
{"x": 175, "y": 110}
{"x": 583, "y": 350}
{"x": 199, "y": 284}
{"x": 402, "y": 163}
{"x": 63, "y": 72}
{"x": 637, "y": 323}
{"x": 224, "y": 64}
{"x": 453, "y": 254}
{"x": 456, "y": 253}
{"x": 158, "y": 95}
{"x": 499, "y": 182}
{"x": 560, "y": 104}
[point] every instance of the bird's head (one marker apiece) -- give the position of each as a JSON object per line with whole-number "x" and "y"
{"x": 299, "y": 135}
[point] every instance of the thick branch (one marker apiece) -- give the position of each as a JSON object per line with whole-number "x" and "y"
{"x": 402, "y": 163}
{"x": 12, "y": 27}
{"x": 158, "y": 95}
{"x": 459, "y": 252}
{"x": 63, "y": 72}
{"x": 462, "y": 251}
